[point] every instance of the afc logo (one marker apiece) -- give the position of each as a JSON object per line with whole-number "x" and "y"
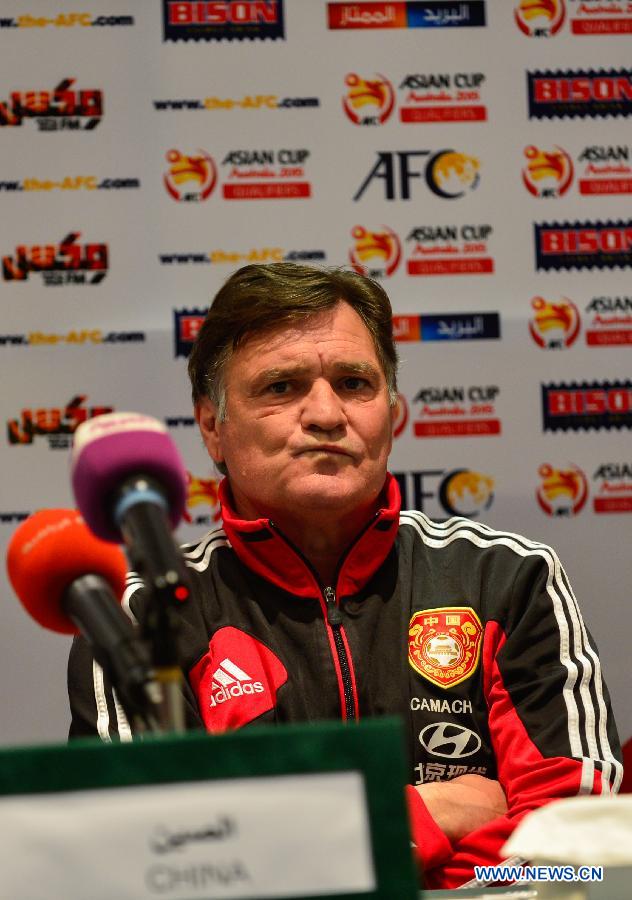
{"x": 449, "y": 174}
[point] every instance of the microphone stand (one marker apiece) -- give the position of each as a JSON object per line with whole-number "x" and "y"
{"x": 155, "y": 556}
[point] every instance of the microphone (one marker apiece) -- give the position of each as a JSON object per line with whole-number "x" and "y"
{"x": 68, "y": 581}
{"x": 130, "y": 484}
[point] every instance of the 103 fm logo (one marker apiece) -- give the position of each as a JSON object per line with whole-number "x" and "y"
{"x": 65, "y": 263}
{"x": 58, "y": 423}
{"x": 62, "y": 108}
{"x": 459, "y": 492}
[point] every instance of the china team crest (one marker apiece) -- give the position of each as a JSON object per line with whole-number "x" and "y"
{"x": 444, "y": 644}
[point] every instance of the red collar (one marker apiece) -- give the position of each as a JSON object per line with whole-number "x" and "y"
{"x": 263, "y": 548}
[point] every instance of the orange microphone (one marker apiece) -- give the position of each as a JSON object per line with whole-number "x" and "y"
{"x": 71, "y": 582}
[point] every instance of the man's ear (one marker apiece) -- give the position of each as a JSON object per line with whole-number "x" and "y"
{"x": 206, "y": 417}
{"x": 396, "y": 411}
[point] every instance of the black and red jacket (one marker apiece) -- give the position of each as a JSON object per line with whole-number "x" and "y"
{"x": 472, "y": 636}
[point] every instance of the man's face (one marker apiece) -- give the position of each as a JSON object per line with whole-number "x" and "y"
{"x": 308, "y": 426}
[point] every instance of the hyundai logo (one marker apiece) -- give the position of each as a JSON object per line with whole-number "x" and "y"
{"x": 449, "y": 740}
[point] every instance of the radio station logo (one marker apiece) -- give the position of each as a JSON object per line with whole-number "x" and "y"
{"x": 368, "y": 101}
{"x": 459, "y": 492}
{"x": 406, "y": 14}
{"x": 229, "y": 20}
{"x": 554, "y": 325}
{"x": 239, "y": 257}
{"x": 547, "y": 173}
{"x": 59, "y": 264}
{"x": 457, "y": 411}
{"x": 57, "y": 424}
{"x": 610, "y": 321}
{"x": 375, "y": 253}
{"x": 449, "y": 174}
{"x": 190, "y": 178}
{"x": 187, "y": 324}
{"x": 449, "y": 250}
{"x": 594, "y": 17}
{"x": 593, "y": 93}
{"x": 583, "y": 245}
{"x": 60, "y": 109}
{"x": 484, "y": 326}
{"x": 539, "y": 18}
{"x": 612, "y": 488}
{"x": 561, "y": 492}
{"x": 202, "y": 492}
{"x": 590, "y": 405}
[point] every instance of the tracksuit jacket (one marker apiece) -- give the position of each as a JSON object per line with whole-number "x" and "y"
{"x": 472, "y": 636}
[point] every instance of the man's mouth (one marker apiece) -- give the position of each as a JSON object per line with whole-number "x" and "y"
{"x": 325, "y": 448}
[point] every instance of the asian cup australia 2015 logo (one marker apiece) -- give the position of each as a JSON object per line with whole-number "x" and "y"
{"x": 444, "y": 644}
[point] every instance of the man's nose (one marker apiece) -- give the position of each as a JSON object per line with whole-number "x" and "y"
{"x": 323, "y": 408}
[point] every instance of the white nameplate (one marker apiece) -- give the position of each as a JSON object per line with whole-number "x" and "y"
{"x": 285, "y": 836}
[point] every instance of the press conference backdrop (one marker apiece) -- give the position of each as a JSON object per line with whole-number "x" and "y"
{"x": 475, "y": 157}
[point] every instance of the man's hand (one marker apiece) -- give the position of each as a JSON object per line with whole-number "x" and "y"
{"x": 463, "y": 804}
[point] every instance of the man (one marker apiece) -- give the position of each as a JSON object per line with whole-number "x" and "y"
{"x": 319, "y": 599}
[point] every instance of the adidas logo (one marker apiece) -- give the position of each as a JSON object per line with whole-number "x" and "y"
{"x": 230, "y": 681}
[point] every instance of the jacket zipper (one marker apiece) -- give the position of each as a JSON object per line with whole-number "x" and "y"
{"x": 334, "y": 620}
{"x": 334, "y": 617}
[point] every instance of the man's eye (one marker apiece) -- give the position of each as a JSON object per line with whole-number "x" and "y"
{"x": 279, "y": 387}
{"x": 352, "y": 383}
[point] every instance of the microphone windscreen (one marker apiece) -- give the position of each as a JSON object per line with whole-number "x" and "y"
{"x": 47, "y": 552}
{"x": 109, "y": 449}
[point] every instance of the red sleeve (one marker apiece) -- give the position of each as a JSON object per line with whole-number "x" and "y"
{"x": 432, "y": 846}
{"x": 529, "y": 778}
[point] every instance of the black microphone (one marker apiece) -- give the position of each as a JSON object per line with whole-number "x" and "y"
{"x": 130, "y": 485}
